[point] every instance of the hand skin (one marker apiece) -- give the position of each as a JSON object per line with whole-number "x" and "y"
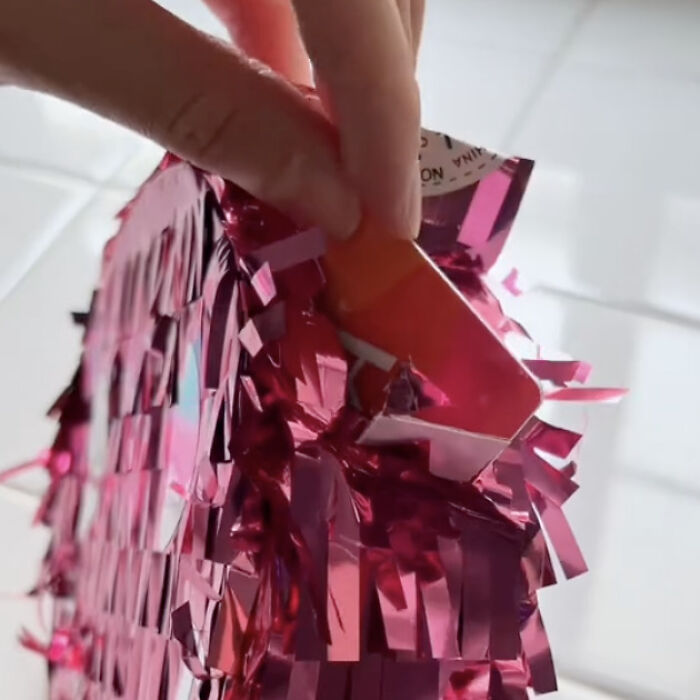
{"x": 236, "y": 111}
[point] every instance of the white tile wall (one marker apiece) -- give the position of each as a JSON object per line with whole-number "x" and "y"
{"x": 643, "y": 36}
{"x": 605, "y": 94}
{"x": 35, "y": 210}
{"x": 636, "y": 515}
{"x": 23, "y": 675}
{"x": 621, "y": 150}
{"x": 46, "y": 132}
{"x": 536, "y": 26}
{"x": 472, "y": 92}
{"x": 40, "y": 342}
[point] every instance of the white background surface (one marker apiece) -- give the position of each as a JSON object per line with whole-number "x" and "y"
{"x": 605, "y": 95}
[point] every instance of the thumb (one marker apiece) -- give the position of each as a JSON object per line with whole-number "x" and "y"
{"x": 135, "y": 63}
{"x": 268, "y": 31}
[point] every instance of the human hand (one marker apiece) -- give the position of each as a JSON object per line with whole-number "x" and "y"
{"x": 132, "y": 61}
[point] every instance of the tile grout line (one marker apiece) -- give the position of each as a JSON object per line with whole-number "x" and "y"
{"x": 52, "y": 174}
{"x": 575, "y": 682}
{"x": 621, "y": 306}
{"x": 44, "y": 243}
{"x": 550, "y": 69}
{"x": 20, "y": 496}
{"x": 657, "y": 483}
{"x": 41, "y": 246}
{"x": 48, "y": 174}
{"x": 653, "y": 74}
{"x": 609, "y": 688}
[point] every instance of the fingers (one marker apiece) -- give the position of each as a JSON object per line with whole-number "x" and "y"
{"x": 267, "y": 30}
{"x": 132, "y": 61}
{"x": 365, "y": 63}
{"x": 211, "y": 107}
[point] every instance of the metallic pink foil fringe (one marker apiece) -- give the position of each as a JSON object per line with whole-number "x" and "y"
{"x": 217, "y": 529}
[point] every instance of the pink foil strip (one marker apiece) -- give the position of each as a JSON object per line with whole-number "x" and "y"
{"x": 551, "y": 439}
{"x": 486, "y": 205}
{"x": 247, "y": 539}
{"x": 560, "y": 371}
{"x": 562, "y": 538}
{"x": 586, "y": 394}
{"x": 510, "y": 282}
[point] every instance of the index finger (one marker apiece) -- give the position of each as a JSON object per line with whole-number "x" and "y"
{"x": 364, "y": 61}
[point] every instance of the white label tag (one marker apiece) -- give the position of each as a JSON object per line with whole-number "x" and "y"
{"x": 447, "y": 165}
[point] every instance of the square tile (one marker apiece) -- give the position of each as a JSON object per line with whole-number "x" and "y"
{"x": 572, "y": 690}
{"x": 614, "y": 207}
{"x": 24, "y": 674}
{"x": 140, "y": 166}
{"x": 41, "y": 345}
{"x": 22, "y": 547}
{"x": 651, "y": 432}
{"x": 474, "y": 93}
{"x": 631, "y": 622}
{"x": 32, "y": 213}
{"x": 535, "y": 25}
{"x": 46, "y": 132}
{"x": 658, "y": 425}
{"x": 642, "y": 36}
